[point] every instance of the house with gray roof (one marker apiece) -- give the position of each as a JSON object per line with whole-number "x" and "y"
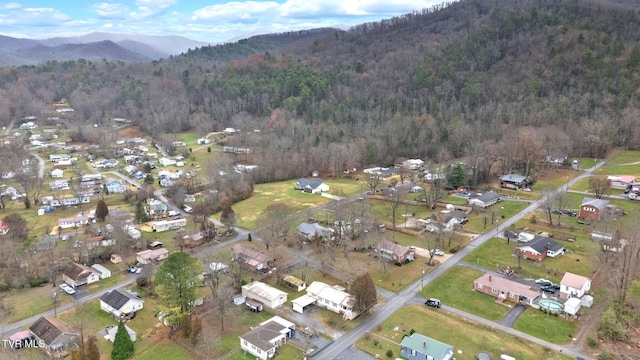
{"x": 539, "y": 248}
{"x": 420, "y": 347}
{"x": 484, "y": 200}
{"x": 592, "y": 209}
{"x": 262, "y": 341}
{"x": 312, "y": 231}
{"x": 57, "y": 336}
{"x": 121, "y": 303}
{"x": 513, "y": 181}
{"x": 312, "y": 186}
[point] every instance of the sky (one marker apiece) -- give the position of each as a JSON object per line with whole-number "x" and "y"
{"x": 204, "y": 20}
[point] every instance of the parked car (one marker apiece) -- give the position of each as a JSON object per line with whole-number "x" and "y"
{"x": 68, "y": 289}
{"x": 187, "y": 208}
{"x": 555, "y": 286}
{"x": 510, "y": 234}
{"x": 543, "y": 281}
{"x": 437, "y": 252}
{"x": 433, "y": 303}
{"x": 548, "y": 289}
{"x": 134, "y": 270}
{"x": 172, "y": 213}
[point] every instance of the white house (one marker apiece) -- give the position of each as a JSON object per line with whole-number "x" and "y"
{"x": 166, "y": 161}
{"x": 102, "y": 271}
{"x": 332, "y": 298}
{"x": 78, "y": 274}
{"x": 263, "y": 340}
{"x": 413, "y": 164}
{"x": 312, "y": 186}
{"x": 203, "y": 141}
{"x": 57, "y": 173}
{"x": 269, "y": 296}
{"x": 148, "y": 256}
{"x": 621, "y": 182}
{"x": 484, "y": 200}
{"x": 67, "y": 223}
{"x": 121, "y": 303}
{"x": 573, "y": 285}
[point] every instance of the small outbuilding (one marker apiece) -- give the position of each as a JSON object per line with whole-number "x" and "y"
{"x": 293, "y": 283}
{"x": 102, "y": 271}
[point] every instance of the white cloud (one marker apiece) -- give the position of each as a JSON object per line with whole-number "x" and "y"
{"x": 340, "y": 8}
{"x": 10, "y": 6}
{"x": 151, "y": 8}
{"x": 232, "y": 12}
{"x": 111, "y": 10}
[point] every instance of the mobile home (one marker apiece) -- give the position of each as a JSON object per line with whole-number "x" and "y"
{"x": 164, "y": 225}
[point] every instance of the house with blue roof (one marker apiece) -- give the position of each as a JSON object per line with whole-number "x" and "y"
{"x": 312, "y": 186}
{"x": 420, "y": 347}
{"x": 513, "y": 181}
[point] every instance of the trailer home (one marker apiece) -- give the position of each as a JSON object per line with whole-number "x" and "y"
{"x": 164, "y": 225}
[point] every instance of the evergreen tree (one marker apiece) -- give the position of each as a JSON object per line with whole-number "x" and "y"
{"x": 122, "y": 344}
{"x": 102, "y": 211}
{"x": 141, "y": 213}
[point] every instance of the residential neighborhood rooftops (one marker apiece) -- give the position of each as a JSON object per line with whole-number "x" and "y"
{"x": 77, "y": 271}
{"x": 49, "y": 329}
{"x": 263, "y": 335}
{"x": 263, "y": 290}
{"x": 513, "y": 178}
{"x": 597, "y": 203}
{"x": 542, "y": 244}
{"x": 503, "y": 284}
{"x": 425, "y": 345}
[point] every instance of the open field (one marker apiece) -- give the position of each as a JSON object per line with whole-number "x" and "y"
{"x": 482, "y": 221}
{"x": 466, "y": 336}
{"x": 547, "y": 327}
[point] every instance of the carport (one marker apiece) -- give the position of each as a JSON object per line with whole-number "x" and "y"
{"x": 302, "y": 302}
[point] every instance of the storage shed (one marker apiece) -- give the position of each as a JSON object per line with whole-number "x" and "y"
{"x": 102, "y": 271}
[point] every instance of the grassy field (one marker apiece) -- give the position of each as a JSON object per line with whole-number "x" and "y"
{"x": 624, "y": 157}
{"x": 545, "y": 326}
{"x": 28, "y": 302}
{"x": 455, "y": 288}
{"x": 249, "y": 211}
{"x": 482, "y": 222}
{"x": 466, "y": 336}
{"x": 164, "y": 349}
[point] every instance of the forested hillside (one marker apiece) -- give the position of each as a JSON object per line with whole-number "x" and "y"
{"x": 483, "y": 80}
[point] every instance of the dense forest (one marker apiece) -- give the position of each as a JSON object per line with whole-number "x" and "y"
{"x": 479, "y": 80}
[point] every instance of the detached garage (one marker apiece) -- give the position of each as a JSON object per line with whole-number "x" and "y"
{"x": 303, "y": 302}
{"x": 102, "y": 271}
{"x": 269, "y": 296}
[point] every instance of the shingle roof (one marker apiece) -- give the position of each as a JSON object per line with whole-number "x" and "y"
{"x": 247, "y": 254}
{"x": 500, "y": 283}
{"x": 597, "y": 203}
{"x": 426, "y": 345}
{"x": 573, "y": 280}
{"x": 262, "y": 335}
{"x": 49, "y": 329}
{"x": 488, "y": 197}
{"x": 78, "y": 271}
{"x": 117, "y": 298}
{"x": 542, "y": 244}
{"x": 396, "y": 249}
{"x": 263, "y": 290}
{"x": 313, "y": 183}
{"x": 515, "y": 178}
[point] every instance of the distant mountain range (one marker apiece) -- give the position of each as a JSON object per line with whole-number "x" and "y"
{"x": 95, "y": 46}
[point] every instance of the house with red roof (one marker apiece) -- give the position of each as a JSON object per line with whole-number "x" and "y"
{"x": 505, "y": 290}
{"x": 4, "y": 228}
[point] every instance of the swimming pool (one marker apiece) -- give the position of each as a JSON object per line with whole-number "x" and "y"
{"x": 553, "y": 307}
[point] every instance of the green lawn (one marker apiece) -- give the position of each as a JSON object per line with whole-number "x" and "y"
{"x": 288, "y": 352}
{"x": 249, "y": 211}
{"x": 545, "y": 326}
{"x": 482, "y": 221}
{"x": 455, "y": 288}
{"x": 28, "y": 302}
{"x": 466, "y": 336}
{"x": 165, "y": 349}
{"x": 624, "y": 157}
{"x": 618, "y": 170}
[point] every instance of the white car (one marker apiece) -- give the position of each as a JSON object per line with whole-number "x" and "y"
{"x": 543, "y": 281}
{"x": 437, "y": 252}
{"x": 68, "y": 289}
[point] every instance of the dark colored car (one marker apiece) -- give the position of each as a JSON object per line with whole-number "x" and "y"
{"x": 510, "y": 234}
{"x": 548, "y": 289}
{"x": 433, "y": 303}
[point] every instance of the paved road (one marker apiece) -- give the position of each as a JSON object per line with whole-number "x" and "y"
{"x": 384, "y": 311}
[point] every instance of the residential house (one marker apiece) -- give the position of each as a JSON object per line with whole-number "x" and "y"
{"x": 268, "y": 295}
{"x": 262, "y": 341}
{"x": 556, "y": 159}
{"x": 382, "y": 172}
{"x": 622, "y": 182}
{"x": 121, "y": 304}
{"x": 412, "y": 164}
{"x": 56, "y": 158}
{"x": 250, "y": 256}
{"x": 79, "y": 274}
{"x": 573, "y": 285}
{"x": 149, "y": 256}
{"x": 592, "y": 209}
{"x": 311, "y": 186}
{"x": 156, "y": 208}
{"x": 73, "y": 222}
{"x": 4, "y": 228}
{"x": 166, "y": 161}
{"x": 102, "y": 271}
{"x": 230, "y": 130}
{"x": 450, "y": 218}
{"x": 115, "y": 186}
{"x": 419, "y": 347}
{"x": 59, "y": 185}
{"x": 332, "y": 298}
{"x": 57, "y": 336}
{"x": 293, "y": 283}
{"x": 57, "y": 173}
{"x": 539, "y": 248}
{"x": 312, "y": 231}
{"x": 203, "y": 141}
{"x": 484, "y": 200}
{"x": 513, "y": 181}
{"x": 112, "y": 330}
{"x": 29, "y": 125}
{"x": 505, "y": 290}
{"x": 394, "y": 252}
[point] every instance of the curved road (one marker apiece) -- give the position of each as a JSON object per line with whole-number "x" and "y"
{"x": 385, "y": 310}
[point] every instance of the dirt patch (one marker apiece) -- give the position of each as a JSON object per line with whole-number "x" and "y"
{"x": 131, "y": 132}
